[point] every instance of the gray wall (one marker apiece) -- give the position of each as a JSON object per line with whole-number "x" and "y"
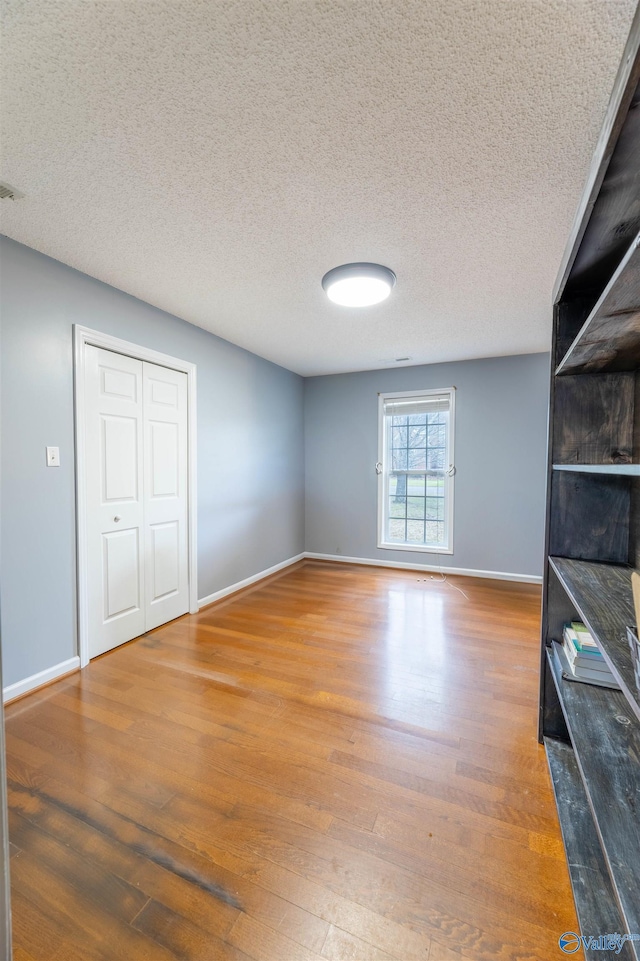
{"x": 500, "y": 453}
{"x": 250, "y": 450}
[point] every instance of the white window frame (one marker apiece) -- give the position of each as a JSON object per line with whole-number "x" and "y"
{"x": 383, "y": 475}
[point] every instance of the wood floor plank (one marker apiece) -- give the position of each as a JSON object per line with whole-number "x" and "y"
{"x": 21, "y": 955}
{"x": 79, "y": 920}
{"x": 340, "y": 763}
{"x": 399, "y": 941}
{"x": 181, "y": 936}
{"x": 439, "y": 952}
{"x": 477, "y": 876}
{"x": 260, "y": 942}
{"x": 342, "y": 946}
{"x": 34, "y": 931}
{"x": 111, "y": 893}
{"x": 521, "y": 812}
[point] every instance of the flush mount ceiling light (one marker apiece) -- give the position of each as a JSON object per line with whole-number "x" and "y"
{"x": 358, "y": 285}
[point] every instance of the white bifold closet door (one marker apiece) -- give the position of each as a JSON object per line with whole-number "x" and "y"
{"x": 136, "y": 497}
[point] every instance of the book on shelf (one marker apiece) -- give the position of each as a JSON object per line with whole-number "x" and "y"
{"x": 582, "y": 675}
{"x": 582, "y": 639}
{"x": 587, "y": 660}
{"x": 578, "y": 660}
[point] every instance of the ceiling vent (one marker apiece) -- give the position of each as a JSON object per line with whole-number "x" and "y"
{"x": 7, "y": 192}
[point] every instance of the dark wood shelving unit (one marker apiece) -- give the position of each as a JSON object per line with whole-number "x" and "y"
{"x": 601, "y": 595}
{"x": 610, "y": 337}
{"x": 592, "y": 889}
{"x": 604, "y": 737}
{"x": 629, "y": 470}
{"x": 592, "y": 734}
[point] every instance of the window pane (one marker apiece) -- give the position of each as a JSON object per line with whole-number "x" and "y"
{"x": 434, "y": 532}
{"x": 416, "y": 485}
{"x": 435, "y": 458}
{"x": 415, "y": 532}
{"x": 432, "y": 508}
{"x": 415, "y": 507}
{"x": 399, "y": 437}
{"x": 417, "y": 436}
{"x": 397, "y": 507}
{"x": 437, "y": 435}
{"x": 397, "y": 530}
{"x": 399, "y": 459}
{"x": 435, "y": 486}
{"x": 417, "y": 459}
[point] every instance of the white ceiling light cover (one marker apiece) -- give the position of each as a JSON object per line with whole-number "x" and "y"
{"x": 358, "y": 285}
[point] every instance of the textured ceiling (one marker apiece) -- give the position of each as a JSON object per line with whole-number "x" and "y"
{"x": 217, "y": 158}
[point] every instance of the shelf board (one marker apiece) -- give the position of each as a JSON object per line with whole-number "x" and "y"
{"x": 601, "y": 594}
{"x": 632, "y": 470}
{"x": 593, "y": 893}
{"x": 606, "y": 744}
{"x": 610, "y": 337}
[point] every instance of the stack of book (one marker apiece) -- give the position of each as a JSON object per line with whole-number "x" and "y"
{"x": 584, "y": 657}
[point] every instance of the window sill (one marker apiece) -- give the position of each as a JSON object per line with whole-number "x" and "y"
{"x": 419, "y": 548}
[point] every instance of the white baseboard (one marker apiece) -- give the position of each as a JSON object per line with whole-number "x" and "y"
{"x": 432, "y": 568}
{"x": 37, "y": 680}
{"x": 218, "y": 595}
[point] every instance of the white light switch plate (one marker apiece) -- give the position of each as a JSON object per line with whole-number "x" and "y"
{"x": 53, "y": 457}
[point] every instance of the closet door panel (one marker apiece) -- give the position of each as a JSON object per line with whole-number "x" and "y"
{"x": 165, "y": 494}
{"x": 115, "y": 502}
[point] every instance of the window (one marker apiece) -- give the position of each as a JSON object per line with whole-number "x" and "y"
{"x": 416, "y": 468}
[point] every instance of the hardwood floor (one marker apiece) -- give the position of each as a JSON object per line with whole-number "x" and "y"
{"x": 338, "y": 764}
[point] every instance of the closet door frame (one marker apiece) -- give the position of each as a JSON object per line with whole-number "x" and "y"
{"x": 82, "y": 337}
